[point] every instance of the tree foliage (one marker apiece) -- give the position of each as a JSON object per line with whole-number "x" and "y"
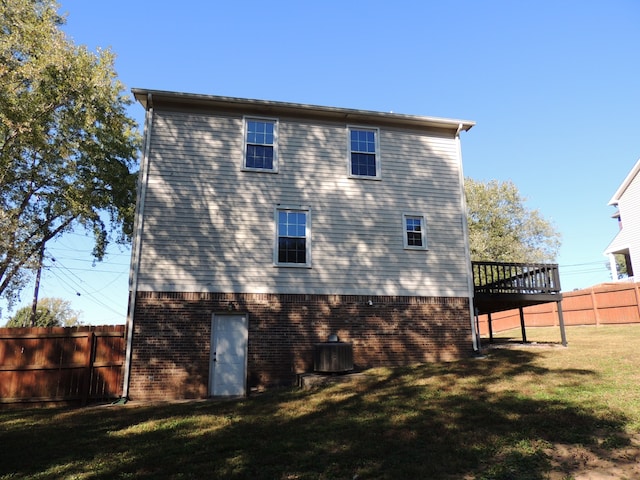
{"x": 502, "y": 229}
{"x": 621, "y": 266}
{"x": 67, "y": 148}
{"x": 50, "y": 312}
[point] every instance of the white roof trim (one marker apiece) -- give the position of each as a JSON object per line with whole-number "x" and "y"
{"x": 632, "y": 174}
{"x": 280, "y": 108}
{"x": 619, "y": 243}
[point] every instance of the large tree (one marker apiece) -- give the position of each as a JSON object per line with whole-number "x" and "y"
{"x": 50, "y": 312}
{"x": 67, "y": 147}
{"x": 503, "y": 229}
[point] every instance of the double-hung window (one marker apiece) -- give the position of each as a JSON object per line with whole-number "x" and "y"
{"x": 364, "y": 155}
{"x": 415, "y": 235}
{"x": 293, "y": 237}
{"x": 260, "y": 144}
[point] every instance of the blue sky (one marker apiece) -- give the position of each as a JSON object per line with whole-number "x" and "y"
{"x": 552, "y": 85}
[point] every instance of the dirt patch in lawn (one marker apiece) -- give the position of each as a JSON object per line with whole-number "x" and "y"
{"x": 617, "y": 458}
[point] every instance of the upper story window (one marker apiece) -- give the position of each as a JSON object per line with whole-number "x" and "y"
{"x": 364, "y": 156}
{"x": 293, "y": 237}
{"x": 415, "y": 236}
{"x": 261, "y": 144}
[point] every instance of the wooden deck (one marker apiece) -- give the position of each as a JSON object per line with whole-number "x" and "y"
{"x": 505, "y": 286}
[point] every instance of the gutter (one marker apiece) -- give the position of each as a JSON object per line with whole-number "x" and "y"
{"x": 137, "y": 242}
{"x": 465, "y": 229}
{"x": 169, "y": 99}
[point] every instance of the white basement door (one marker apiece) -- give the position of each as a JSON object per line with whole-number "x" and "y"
{"x": 228, "y": 365}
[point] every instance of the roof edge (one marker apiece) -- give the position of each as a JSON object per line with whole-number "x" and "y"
{"x": 623, "y": 186}
{"x": 163, "y": 96}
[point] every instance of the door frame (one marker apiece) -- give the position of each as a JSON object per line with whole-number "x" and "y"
{"x": 214, "y": 318}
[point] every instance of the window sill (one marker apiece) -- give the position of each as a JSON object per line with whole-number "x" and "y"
{"x": 291, "y": 265}
{"x": 258, "y": 170}
{"x": 365, "y": 177}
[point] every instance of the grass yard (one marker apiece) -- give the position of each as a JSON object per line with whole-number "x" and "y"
{"x": 525, "y": 412}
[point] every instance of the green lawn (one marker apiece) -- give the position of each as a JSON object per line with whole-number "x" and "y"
{"x": 523, "y": 412}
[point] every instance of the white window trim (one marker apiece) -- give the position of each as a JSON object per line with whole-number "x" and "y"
{"x": 275, "y": 121}
{"x": 294, "y": 208}
{"x": 378, "y": 155}
{"x": 423, "y": 231}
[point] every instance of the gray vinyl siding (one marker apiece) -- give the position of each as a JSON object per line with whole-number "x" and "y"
{"x": 208, "y": 225}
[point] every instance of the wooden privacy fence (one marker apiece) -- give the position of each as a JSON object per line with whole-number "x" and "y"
{"x": 605, "y": 304}
{"x": 71, "y": 364}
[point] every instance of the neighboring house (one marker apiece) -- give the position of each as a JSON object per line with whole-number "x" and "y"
{"x": 264, "y": 227}
{"x": 626, "y": 244}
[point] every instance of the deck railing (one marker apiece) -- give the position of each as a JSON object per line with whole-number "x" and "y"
{"x": 515, "y": 278}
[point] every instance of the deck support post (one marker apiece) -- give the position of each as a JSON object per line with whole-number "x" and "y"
{"x": 490, "y": 327}
{"x": 563, "y": 335}
{"x": 524, "y": 333}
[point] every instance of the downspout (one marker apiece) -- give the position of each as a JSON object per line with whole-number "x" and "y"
{"x": 137, "y": 243}
{"x": 467, "y": 251}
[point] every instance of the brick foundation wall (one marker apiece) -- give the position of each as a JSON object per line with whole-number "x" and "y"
{"x": 172, "y": 335}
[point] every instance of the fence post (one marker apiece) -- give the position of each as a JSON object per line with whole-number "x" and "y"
{"x": 635, "y": 289}
{"x": 86, "y": 381}
{"x": 594, "y": 305}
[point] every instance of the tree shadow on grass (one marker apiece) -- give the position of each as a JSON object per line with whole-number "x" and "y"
{"x": 467, "y": 419}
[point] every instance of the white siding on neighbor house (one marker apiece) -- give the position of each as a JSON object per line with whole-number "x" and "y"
{"x": 209, "y": 226}
{"x": 629, "y": 236}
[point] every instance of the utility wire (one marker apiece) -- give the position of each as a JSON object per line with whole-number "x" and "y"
{"x": 88, "y": 295}
{"x": 65, "y": 276}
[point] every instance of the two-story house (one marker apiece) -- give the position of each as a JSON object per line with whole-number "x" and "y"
{"x": 263, "y": 227}
{"x": 626, "y": 244}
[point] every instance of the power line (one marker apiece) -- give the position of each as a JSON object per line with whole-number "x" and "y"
{"x": 74, "y": 269}
{"x": 603, "y": 261}
{"x": 108, "y": 254}
{"x": 66, "y": 276}
{"x": 87, "y": 294}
